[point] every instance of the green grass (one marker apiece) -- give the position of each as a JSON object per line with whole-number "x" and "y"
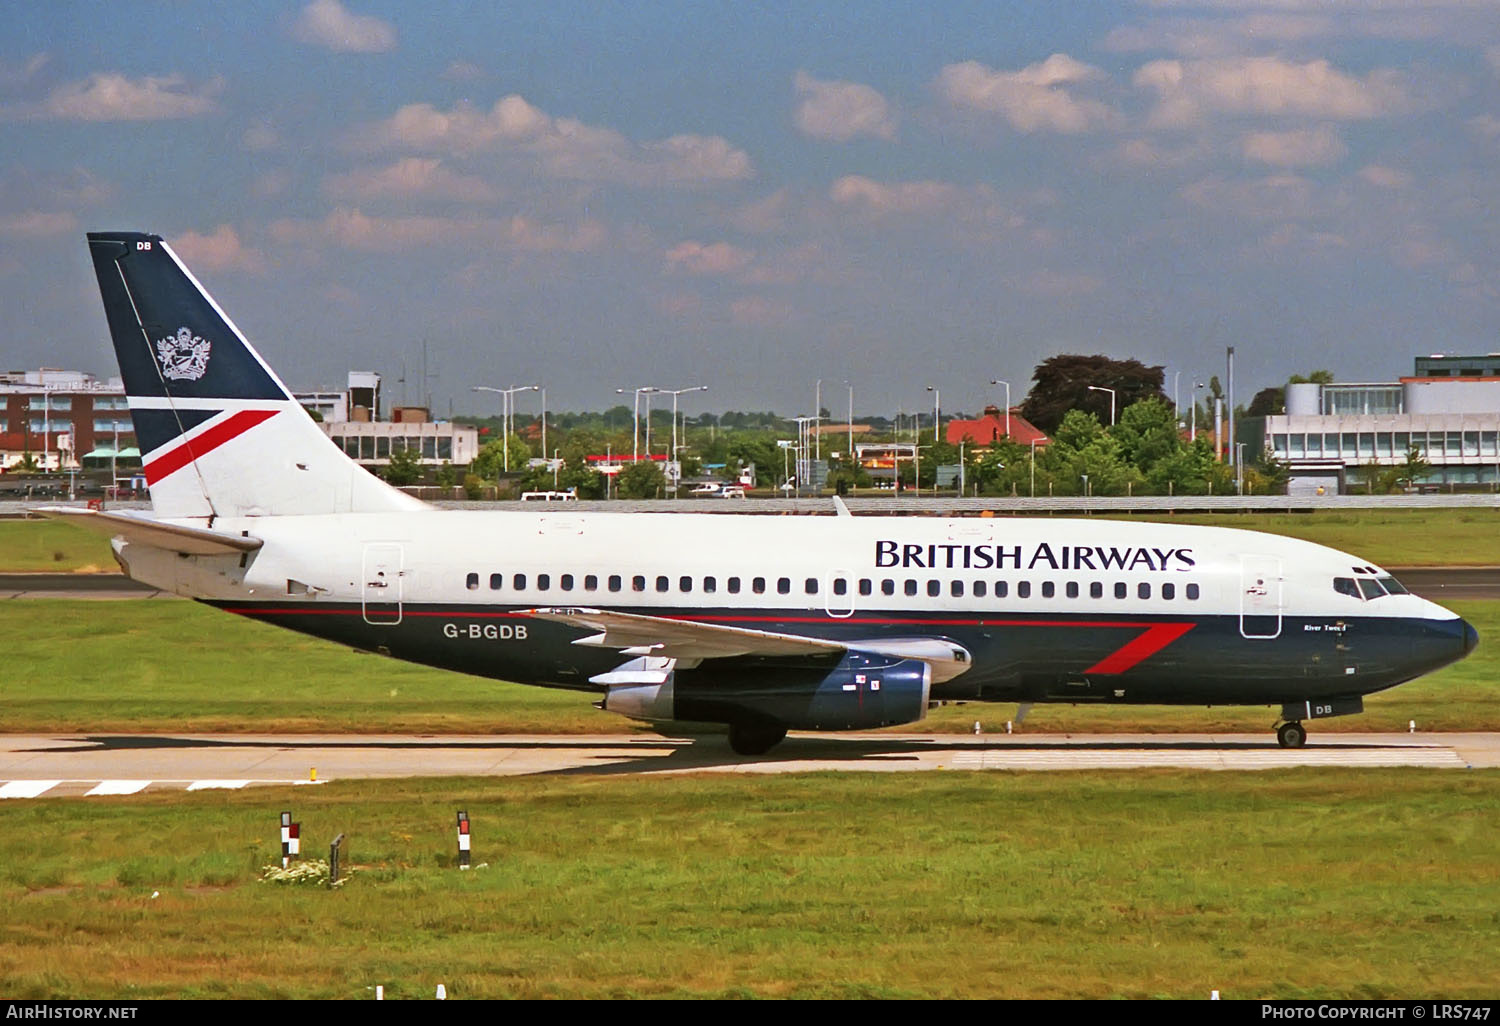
{"x": 1435, "y": 537}
{"x": 158, "y": 665}
{"x": 1296, "y": 884}
{"x": 47, "y": 546}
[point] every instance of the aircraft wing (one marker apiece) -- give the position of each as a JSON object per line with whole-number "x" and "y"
{"x": 667, "y": 638}
{"x": 193, "y": 541}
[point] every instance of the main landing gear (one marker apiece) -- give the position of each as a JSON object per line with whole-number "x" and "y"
{"x": 1291, "y": 735}
{"x": 755, "y": 738}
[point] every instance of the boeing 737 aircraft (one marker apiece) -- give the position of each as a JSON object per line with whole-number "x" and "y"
{"x": 761, "y": 623}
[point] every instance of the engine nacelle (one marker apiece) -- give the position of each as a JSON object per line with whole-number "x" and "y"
{"x": 865, "y": 690}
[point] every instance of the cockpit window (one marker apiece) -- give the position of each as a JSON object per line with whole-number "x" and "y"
{"x": 1393, "y": 586}
{"x": 1346, "y": 586}
{"x": 1372, "y": 589}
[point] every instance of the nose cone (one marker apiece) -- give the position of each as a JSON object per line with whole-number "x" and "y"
{"x": 1471, "y": 637}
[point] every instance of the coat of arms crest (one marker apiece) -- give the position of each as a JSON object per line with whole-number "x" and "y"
{"x": 184, "y": 356}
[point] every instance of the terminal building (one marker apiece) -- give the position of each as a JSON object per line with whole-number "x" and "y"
{"x": 1332, "y": 437}
{"x": 65, "y": 420}
{"x": 351, "y": 417}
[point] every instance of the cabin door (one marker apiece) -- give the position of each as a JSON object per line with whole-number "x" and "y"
{"x": 1260, "y": 597}
{"x": 381, "y": 588}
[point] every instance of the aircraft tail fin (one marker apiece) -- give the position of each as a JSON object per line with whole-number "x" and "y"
{"x": 219, "y": 433}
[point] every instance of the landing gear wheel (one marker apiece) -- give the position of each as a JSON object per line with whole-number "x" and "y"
{"x": 755, "y": 739}
{"x": 1291, "y": 735}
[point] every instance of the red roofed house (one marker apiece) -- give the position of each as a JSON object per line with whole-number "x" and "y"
{"x": 991, "y": 427}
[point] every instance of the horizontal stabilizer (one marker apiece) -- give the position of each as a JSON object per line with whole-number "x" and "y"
{"x": 193, "y": 541}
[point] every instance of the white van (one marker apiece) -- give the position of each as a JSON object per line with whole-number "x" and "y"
{"x": 549, "y": 497}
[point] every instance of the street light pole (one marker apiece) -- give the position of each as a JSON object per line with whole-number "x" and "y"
{"x": 937, "y": 412}
{"x": 635, "y": 421}
{"x": 1101, "y": 388}
{"x": 506, "y": 406}
{"x": 674, "y": 393}
{"x": 1033, "y": 468}
{"x": 997, "y": 381}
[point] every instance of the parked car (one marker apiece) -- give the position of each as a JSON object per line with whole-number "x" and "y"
{"x": 732, "y": 492}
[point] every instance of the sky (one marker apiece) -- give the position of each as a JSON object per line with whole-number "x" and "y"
{"x": 758, "y": 196}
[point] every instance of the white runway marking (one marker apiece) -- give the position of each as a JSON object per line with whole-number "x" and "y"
{"x": 118, "y": 787}
{"x": 209, "y": 785}
{"x": 26, "y": 788}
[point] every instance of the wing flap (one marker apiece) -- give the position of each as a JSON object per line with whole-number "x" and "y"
{"x": 192, "y": 541}
{"x": 661, "y": 637}
{"x": 668, "y": 638}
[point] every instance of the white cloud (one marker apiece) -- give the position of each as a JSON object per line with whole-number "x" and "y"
{"x": 38, "y": 224}
{"x": 412, "y": 176}
{"x": 112, "y": 97}
{"x": 971, "y": 204}
{"x": 1189, "y": 92}
{"x": 1036, "y": 98}
{"x": 1314, "y": 147}
{"x": 563, "y": 147}
{"x": 351, "y": 228}
{"x": 328, "y": 23}
{"x": 840, "y": 111}
{"x": 1279, "y": 197}
{"x": 1385, "y": 177}
{"x": 715, "y": 258}
{"x": 219, "y": 251}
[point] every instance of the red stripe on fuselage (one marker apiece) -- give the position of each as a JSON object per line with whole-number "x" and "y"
{"x": 175, "y": 459}
{"x": 1153, "y": 637}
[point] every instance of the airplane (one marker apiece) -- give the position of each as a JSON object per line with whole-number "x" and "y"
{"x": 765, "y": 624}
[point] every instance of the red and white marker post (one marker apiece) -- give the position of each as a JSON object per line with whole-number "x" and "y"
{"x": 291, "y": 839}
{"x": 463, "y": 840}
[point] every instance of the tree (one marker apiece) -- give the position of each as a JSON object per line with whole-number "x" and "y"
{"x": 405, "y": 467}
{"x": 641, "y": 480}
{"x": 1268, "y": 402}
{"x": 1062, "y": 383}
{"x": 1413, "y": 469}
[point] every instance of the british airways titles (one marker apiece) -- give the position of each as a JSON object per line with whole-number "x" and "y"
{"x": 959, "y": 556}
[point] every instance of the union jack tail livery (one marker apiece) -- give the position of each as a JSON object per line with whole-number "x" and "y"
{"x": 220, "y": 435}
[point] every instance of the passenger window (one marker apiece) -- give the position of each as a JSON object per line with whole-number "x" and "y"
{"x": 518, "y": 582}
{"x": 866, "y": 586}
{"x": 758, "y": 585}
{"x": 566, "y": 582}
{"x": 734, "y": 586}
{"x": 1023, "y": 589}
{"x": 1346, "y": 586}
{"x": 590, "y": 582}
{"x": 710, "y": 585}
{"x": 473, "y": 582}
{"x": 956, "y": 589}
{"x": 1192, "y": 592}
{"x": 1169, "y": 591}
{"x": 811, "y": 586}
{"x": 1001, "y": 589}
{"x": 840, "y": 586}
{"x": 783, "y": 585}
{"x": 1048, "y": 589}
{"x": 1072, "y": 589}
{"x": 979, "y": 589}
{"x": 887, "y": 587}
{"x": 497, "y": 581}
{"x": 543, "y": 581}
{"x": 638, "y": 583}
{"x": 1143, "y": 590}
{"x": 685, "y": 583}
{"x": 911, "y": 587}
{"x": 1096, "y": 589}
{"x": 1120, "y": 589}
{"x": 662, "y": 583}
{"x": 615, "y": 582}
